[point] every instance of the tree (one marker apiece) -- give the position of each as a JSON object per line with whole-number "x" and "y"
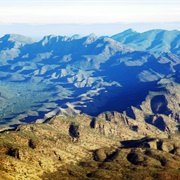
{"x": 74, "y": 132}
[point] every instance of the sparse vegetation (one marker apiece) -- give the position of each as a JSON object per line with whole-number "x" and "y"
{"x": 100, "y": 77}
{"x": 52, "y": 154}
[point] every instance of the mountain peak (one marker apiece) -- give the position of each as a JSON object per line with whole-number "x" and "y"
{"x": 75, "y": 36}
{"x": 154, "y": 41}
{"x": 91, "y": 38}
{"x": 130, "y": 30}
{"x": 14, "y": 41}
{"x": 53, "y": 38}
{"x": 122, "y": 37}
{"x": 47, "y": 39}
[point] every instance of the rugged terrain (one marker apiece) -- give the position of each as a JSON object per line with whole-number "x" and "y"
{"x": 127, "y": 84}
{"x": 109, "y": 146}
{"x": 73, "y": 75}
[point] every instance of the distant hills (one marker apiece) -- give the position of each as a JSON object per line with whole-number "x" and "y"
{"x": 154, "y": 41}
{"x": 72, "y": 75}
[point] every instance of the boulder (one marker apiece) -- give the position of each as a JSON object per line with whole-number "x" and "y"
{"x": 100, "y": 155}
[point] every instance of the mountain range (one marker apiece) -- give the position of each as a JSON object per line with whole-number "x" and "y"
{"x": 73, "y": 75}
{"x": 90, "y": 107}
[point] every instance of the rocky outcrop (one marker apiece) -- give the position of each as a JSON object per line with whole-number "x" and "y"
{"x": 114, "y": 117}
{"x": 99, "y": 153}
{"x": 160, "y": 108}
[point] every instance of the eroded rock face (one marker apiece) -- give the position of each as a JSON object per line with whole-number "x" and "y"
{"x": 109, "y": 123}
{"x": 114, "y": 117}
{"x": 107, "y": 129}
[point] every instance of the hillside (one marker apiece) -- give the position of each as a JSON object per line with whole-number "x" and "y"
{"x": 90, "y": 107}
{"x": 84, "y": 147}
{"x": 74, "y": 75}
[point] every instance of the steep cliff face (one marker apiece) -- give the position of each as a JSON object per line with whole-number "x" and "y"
{"x": 83, "y": 147}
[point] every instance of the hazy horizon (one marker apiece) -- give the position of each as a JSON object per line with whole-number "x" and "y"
{"x": 38, "y": 18}
{"x": 39, "y": 31}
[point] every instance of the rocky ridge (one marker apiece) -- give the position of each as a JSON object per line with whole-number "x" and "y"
{"x": 109, "y": 146}
{"x": 74, "y": 75}
{"x": 130, "y": 91}
{"x": 155, "y": 41}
